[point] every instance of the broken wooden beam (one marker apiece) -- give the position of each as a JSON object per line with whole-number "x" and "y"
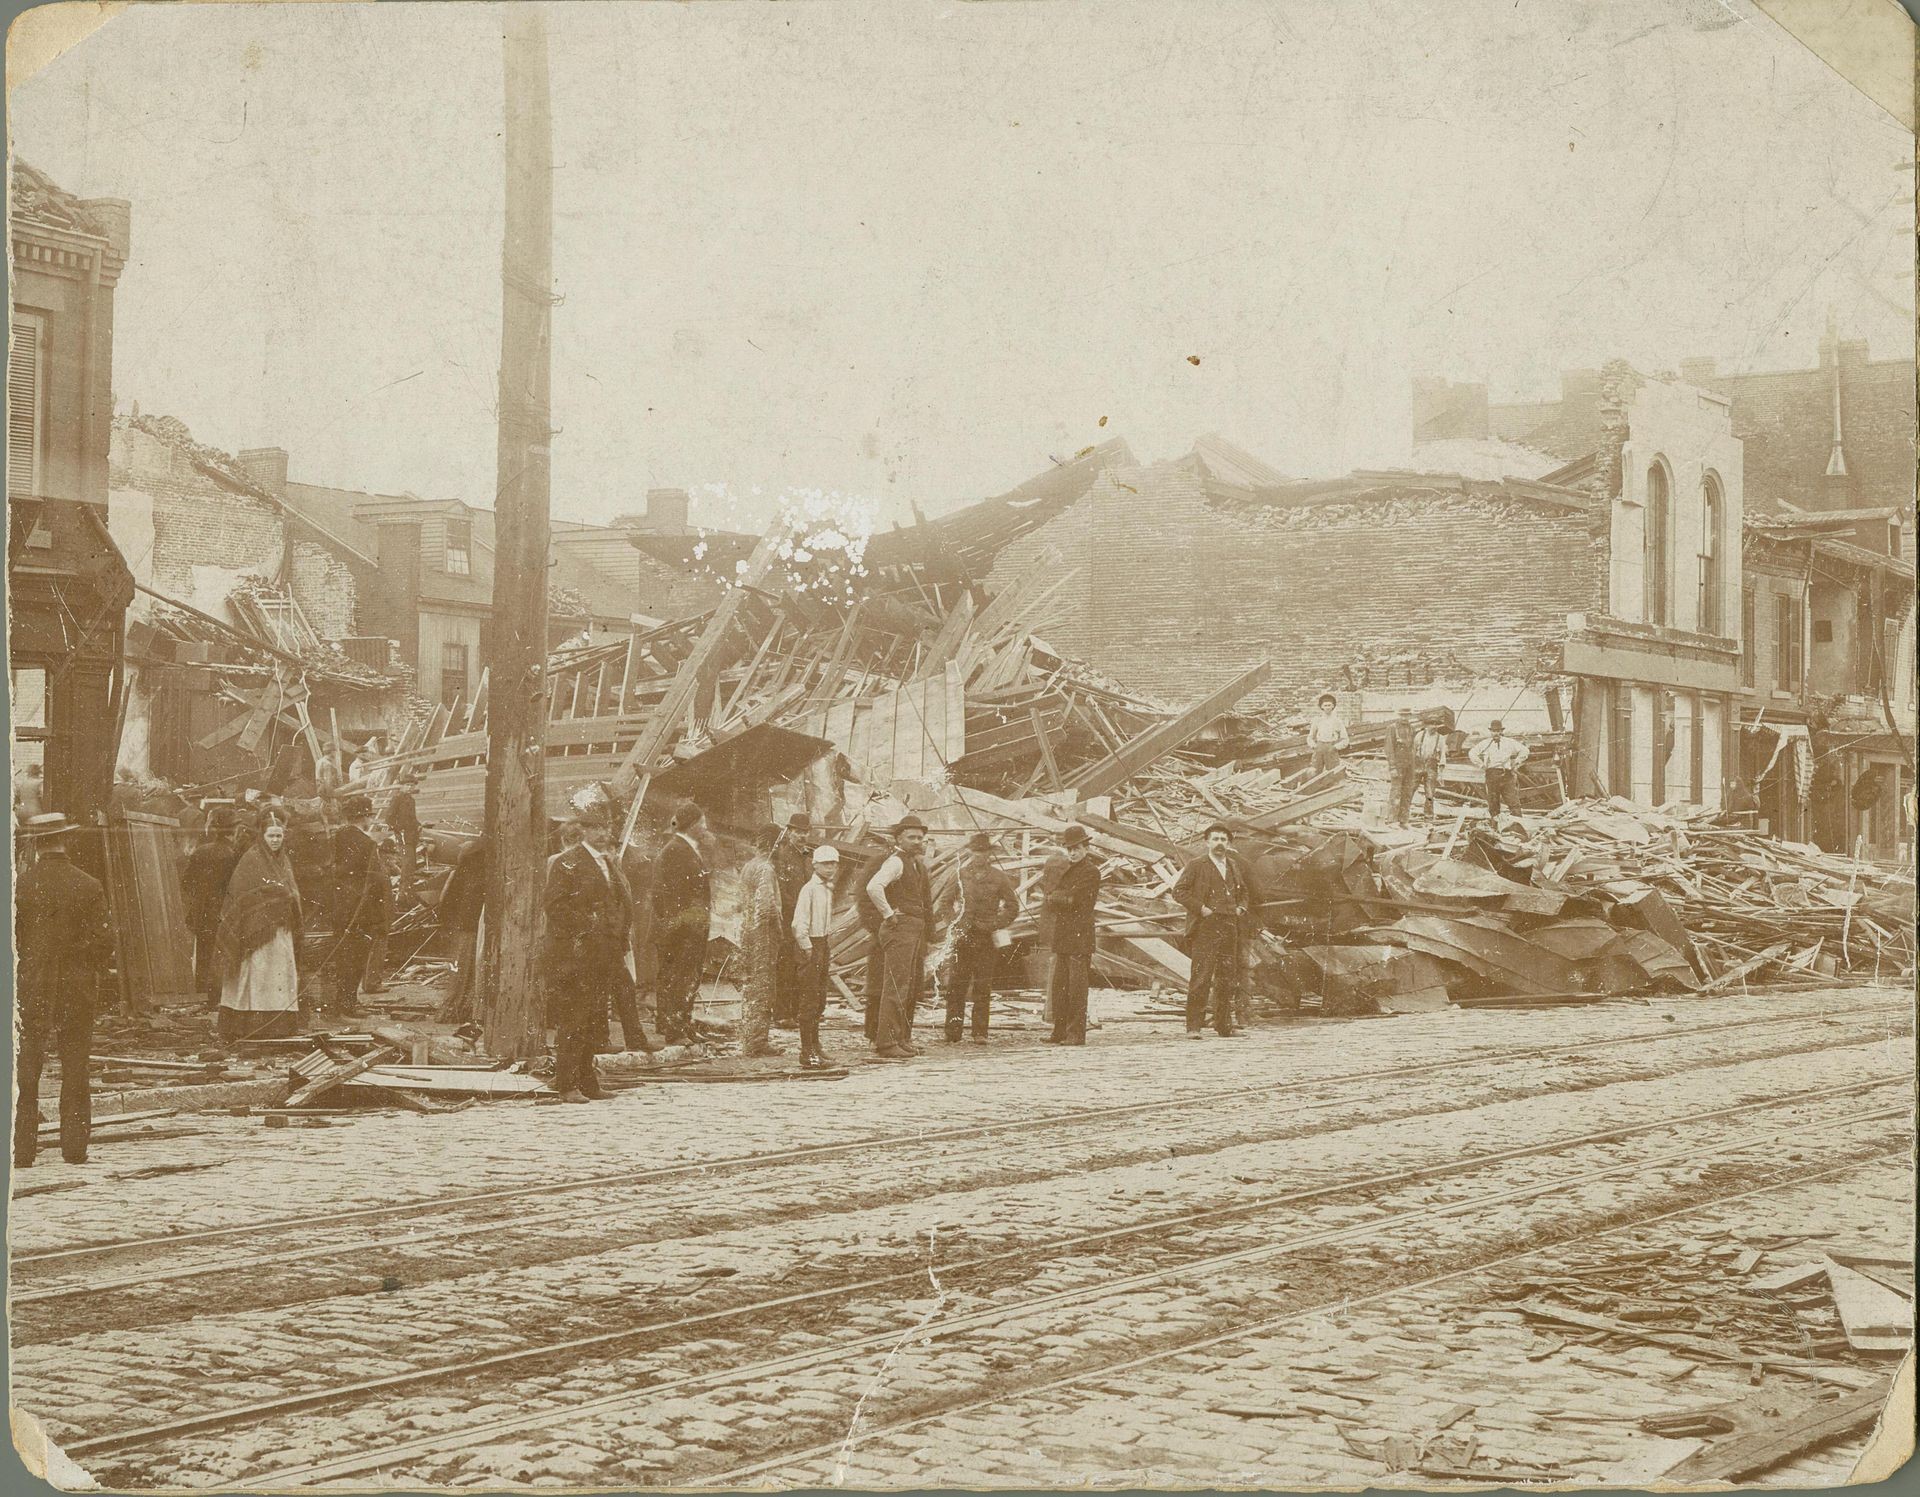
{"x": 1163, "y": 738}
{"x": 1752, "y": 1450}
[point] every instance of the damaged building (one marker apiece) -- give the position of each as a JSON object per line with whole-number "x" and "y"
{"x": 1592, "y": 600}
{"x": 1825, "y": 694}
{"x": 67, "y": 587}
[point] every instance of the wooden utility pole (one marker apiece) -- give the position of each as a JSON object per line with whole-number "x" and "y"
{"x": 516, "y": 817}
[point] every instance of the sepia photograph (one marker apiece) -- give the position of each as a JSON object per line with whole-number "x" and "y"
{"x": 1007, "y": 745}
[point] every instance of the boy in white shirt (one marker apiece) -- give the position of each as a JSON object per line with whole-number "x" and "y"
{"x": 812, "y": 918}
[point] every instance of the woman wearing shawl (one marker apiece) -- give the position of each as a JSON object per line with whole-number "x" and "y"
{"x": 259, "y": 931}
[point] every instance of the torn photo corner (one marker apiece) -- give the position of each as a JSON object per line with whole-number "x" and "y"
{"x": 962, "y": 746}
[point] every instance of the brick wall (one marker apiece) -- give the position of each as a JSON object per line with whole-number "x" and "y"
{"x": 1177, "y": 594}
{"x": 1785, "y": 419}
{"x": 197, "y": 520}
{"x": 324, "y": 587}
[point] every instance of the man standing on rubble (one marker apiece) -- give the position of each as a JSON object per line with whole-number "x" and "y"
{"x": 63, "y": 943}
{"x": 358, "y": 870}
{"x": 792, "y": 866}
{"x": 1501, "y": 757}
{"x": 1327, "y": 734}
{"x": 983, "y": 903}
{"x": 403, "y": 817}
{"x": 901, "y": 894}
{"x": 1429, "y": 754}
{"x": 1401, "y": 765}
{"x": 1217, "y": 894}
{"x": 1071, "y": 902}
{"x": 682, "y": 920}
{"x": 203, "y": 885}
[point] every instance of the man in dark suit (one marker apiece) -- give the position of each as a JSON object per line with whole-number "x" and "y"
{"x": 459, "y": 915}
{"x": 359, "y": 874}
{"x": 682, "y": 917}
{"x": 203, "y": 883}
{"x": 64, "y": 943}
{"x": 1071, "y": 903}
{"x": 792, "y": 867}
{"x": 1217, "y": 893}
{"x": 402, "y": 815}
{"x": 589, "y": 920}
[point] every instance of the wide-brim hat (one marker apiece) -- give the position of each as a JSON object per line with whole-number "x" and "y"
{"x": 48, "y": 824}
{"x": 1075, "y": 836}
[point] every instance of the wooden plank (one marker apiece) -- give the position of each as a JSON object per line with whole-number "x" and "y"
{"x": 1046, "y": 750}
{"x": 323, "y": 1084}
{"x": 1306, "y": 806}
{"x": 266, "y": 709}
{"x": 1750, "y": 1451}
{"x": 478, "y": 704}
{"x": 1132, "y": 757}
{"x": 636, "y": 770}
{"x": 626, "y": 673}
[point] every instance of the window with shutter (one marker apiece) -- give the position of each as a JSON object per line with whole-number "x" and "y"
{"x": 23, "y": 404}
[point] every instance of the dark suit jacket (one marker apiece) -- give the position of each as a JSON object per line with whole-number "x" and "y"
{"x": 61, "y": 936}
{"x": 589, "y": 916}
{"x": 1201, "y": 887}
{"x": 204, "y": 882}
{"x": 682, "y": 890}
{"x": 466, "y": 890}
{"x": 357, "y": 866}
{"x": 1071, "y": 903}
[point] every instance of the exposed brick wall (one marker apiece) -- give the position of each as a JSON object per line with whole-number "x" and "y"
{"x": 200, "y": 521}
{"x": 323, "y": 585}
{"x": 1178, "y": 595}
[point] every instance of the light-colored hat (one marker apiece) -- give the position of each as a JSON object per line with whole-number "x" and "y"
{"x": 47, "y": 824}
{"x": 826, "y": 853}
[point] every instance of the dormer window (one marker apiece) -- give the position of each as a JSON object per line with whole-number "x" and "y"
{"x": 459, "y": 548}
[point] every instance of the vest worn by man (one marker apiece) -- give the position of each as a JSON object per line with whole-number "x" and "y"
{"x": 911, "y": 894}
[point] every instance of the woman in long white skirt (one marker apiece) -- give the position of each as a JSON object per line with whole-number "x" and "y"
{"x": 259, "y": 935}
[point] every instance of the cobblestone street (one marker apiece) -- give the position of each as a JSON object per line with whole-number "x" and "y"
{"x": 999, "y": 1265}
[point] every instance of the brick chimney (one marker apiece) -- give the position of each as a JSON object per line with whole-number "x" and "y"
{"x": 667, "y": 511}
{"x": 268, "y": 467}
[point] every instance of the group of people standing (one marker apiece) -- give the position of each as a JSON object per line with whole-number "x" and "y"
{"x": 1416, "y": 753}
{"x": 247, "y": 914}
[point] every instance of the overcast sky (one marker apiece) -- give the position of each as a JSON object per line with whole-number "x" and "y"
{"x": 914, "y": 251}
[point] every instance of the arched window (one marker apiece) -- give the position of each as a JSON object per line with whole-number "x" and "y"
{"x": 1659, "y": 528}
{"x": 1713, "y": 589}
